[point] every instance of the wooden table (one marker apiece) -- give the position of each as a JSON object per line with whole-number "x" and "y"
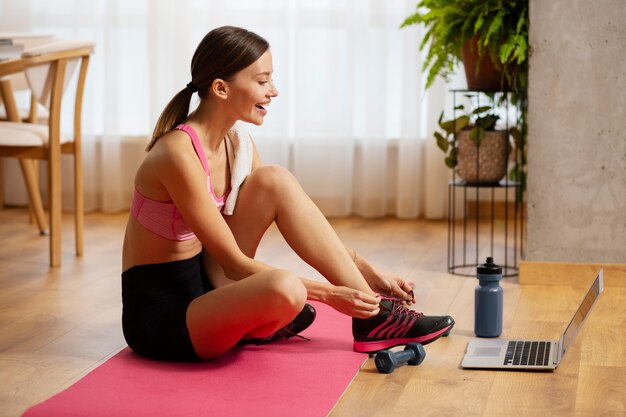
{"x": 590, "y": 381}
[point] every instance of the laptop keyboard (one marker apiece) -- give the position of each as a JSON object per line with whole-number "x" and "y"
{"x": 527, "y": 352}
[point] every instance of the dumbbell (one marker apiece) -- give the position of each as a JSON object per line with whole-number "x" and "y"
{"x": 387, "y": 360}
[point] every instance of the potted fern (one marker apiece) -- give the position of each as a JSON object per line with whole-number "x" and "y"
{"x": 493, "y": 33}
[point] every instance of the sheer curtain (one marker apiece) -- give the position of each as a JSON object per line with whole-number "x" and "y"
{"x": 352, "y": 120}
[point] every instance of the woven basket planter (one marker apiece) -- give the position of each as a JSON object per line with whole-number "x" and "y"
{"x": 486, "y": 164}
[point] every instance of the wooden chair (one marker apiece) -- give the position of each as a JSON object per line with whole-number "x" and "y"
{"x": 46, "y": 69}
{"x": 32, "y": 112}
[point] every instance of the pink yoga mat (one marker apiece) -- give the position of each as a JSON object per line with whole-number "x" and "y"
{"x": 288, "y": 378}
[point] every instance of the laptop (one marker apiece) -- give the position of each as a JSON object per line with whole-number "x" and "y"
{"x": 531, "y": 355}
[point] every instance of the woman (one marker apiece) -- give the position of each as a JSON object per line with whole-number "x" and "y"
{"x": 191, "y": 287}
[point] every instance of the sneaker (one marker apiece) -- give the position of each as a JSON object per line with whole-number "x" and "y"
{"x": 397, "y": 325}
{"x": 303, "y": 320}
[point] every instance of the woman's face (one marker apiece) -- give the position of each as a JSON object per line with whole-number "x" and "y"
{"x": 251, "y": 90}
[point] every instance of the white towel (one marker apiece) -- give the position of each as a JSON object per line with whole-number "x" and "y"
{"x": 240, "y": 152}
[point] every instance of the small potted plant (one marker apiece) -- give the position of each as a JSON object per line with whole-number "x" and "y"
{"x": 473, "y": 146}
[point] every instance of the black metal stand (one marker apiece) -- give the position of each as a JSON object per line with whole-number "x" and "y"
{"x": 473, "y": 236}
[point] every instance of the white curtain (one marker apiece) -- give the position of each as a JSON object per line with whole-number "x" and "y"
{"x": 352, "y": 120}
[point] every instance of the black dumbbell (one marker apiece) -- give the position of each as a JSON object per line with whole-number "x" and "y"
{"x": 386, "y": 360}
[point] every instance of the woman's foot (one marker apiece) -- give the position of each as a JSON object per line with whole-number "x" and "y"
{"x": 397, "y": 325}
{"x": 303, "y": 320}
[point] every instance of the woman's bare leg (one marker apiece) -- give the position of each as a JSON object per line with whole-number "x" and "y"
{"x": 254, "y": 307}
{"x": 271, "y": 193}
{"x": 263, "y": 303}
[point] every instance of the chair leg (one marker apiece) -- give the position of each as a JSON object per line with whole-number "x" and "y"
{"x": 32, "y": 118}
{"x": 79, "y": 203}
{"x": 1, "y": 184}
{"x": 30, "y": 178}
{"x": 32, "y": 216}
{"x": 54, "y": 191}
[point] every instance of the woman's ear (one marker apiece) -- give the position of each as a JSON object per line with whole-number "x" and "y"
{"x": 219, "y": 88}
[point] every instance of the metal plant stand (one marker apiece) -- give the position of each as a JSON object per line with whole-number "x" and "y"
{"x": 472, "y": 236}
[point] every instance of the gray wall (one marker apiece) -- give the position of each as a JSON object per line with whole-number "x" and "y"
{"x": 577, "y": 131}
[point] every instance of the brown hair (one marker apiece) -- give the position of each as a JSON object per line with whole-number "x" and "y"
{"x": 222, "y": 53}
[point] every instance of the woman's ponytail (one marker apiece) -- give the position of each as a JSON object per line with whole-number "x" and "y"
{"x": 174, "y": 114}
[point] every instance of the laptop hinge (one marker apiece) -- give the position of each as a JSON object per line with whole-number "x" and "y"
{"x": 559, "y": 351}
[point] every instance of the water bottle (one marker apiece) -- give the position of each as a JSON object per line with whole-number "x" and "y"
{"x": 488, "y": 300}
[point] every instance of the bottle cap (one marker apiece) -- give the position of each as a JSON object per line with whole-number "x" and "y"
{"x": 489, "y": 268}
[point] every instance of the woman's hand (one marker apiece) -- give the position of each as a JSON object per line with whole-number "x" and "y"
{"x": 386, "y": 283}
{"x": 353, "y": 303}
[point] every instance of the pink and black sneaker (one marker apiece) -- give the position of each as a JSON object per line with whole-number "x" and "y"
{"x": 397, "y": 325}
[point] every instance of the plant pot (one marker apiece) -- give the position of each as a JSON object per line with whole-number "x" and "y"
{"x": 486, "y": 164}
{"x": 488, "y": 77}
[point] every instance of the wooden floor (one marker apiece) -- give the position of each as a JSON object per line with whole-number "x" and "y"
{"x": 57, "y": 325}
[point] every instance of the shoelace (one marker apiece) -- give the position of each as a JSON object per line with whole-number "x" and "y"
{"x": 398, "y": 308}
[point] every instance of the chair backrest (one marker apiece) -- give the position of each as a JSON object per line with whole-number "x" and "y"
{"x": 40, "y": 77}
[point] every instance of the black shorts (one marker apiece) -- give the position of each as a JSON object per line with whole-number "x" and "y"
{"x": 155, "y": 300}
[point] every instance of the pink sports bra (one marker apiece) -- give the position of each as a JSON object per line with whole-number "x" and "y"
{"x": 162, "y": 217}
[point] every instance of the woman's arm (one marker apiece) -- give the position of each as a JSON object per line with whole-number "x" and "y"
{"x": 346, "y": 300}
{"x": 382, "y": 281}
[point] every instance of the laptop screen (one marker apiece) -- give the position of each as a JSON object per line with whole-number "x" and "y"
{"x": 582, "y": 312}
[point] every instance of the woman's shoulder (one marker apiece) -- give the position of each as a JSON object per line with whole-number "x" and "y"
{"x": 174, "y": 138}
{"x": 172, "y": 148}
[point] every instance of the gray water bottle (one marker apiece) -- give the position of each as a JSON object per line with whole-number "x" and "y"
{"x": 488, "y": 300}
